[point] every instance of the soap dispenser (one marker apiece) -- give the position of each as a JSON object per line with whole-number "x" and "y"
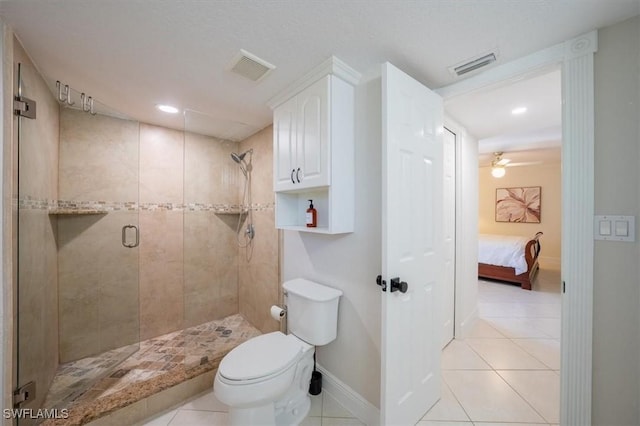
{"x": 312, "y": 216}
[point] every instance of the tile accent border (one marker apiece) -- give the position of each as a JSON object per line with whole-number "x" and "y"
{"x": 32, "y": 203}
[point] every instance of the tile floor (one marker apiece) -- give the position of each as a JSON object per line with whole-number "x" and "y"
{"x": 506, "y": 372}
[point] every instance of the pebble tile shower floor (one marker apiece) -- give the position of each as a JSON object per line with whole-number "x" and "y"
{"x": 94, "y": 385}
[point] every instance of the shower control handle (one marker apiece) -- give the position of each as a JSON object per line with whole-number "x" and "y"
{"x": 124, "y": 236}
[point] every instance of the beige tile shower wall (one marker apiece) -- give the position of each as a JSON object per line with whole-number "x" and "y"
{"x": 259, "y": 277}
{"x": 98, "y": 297}
{"x": 161, "y": 165}
{"x": 161, "y": 234}
{"x": 37, "y": 261}
{"x": 161, "y": 272}
{"x": 211, "y": 176}
{"x": 98, "y": 157}
{"x": 211, "y": 267}
{"x": 98, "y": 277}
{"x": 210, "y": 248}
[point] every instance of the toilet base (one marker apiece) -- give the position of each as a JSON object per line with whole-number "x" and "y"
{"x": 259, "y": 416}
{"x": 266, "y": 414}
{"x": 294, "y": 415}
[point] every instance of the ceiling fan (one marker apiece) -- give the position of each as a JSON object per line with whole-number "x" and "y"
{"x": 498, "y": 164}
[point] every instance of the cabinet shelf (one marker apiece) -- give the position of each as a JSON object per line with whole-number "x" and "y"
{"x": 317, "y": 230}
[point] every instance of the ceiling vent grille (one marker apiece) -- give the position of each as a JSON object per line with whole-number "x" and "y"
{"x": 250, "y": 66}
{"x": 474, "y": 64}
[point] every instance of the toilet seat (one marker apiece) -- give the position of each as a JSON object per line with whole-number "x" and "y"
{"x": 260, "y": 358}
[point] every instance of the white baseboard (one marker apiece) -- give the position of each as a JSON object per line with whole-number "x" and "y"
{"x": 351, "y": 400}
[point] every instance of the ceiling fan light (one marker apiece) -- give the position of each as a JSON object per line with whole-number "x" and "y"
{"x": 497, "y": 172}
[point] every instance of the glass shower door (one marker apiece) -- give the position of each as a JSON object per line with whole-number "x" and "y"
{"x": 76, "y": 294}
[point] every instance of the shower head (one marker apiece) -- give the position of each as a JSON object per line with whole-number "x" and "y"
{"x": 238, "y": 158}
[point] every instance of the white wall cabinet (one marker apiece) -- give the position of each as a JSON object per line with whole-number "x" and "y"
{"x": 301, "y": 138}
{"x": 313, "y": 156}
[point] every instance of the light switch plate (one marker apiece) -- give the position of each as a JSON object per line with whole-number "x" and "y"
{"x": 614, "y": 228}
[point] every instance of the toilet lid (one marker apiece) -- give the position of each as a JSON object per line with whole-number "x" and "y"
{"x": 260, "y": 357}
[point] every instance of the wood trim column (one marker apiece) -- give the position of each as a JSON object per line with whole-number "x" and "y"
{"x": 577, "y": 230}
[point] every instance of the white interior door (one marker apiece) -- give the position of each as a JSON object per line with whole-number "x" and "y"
{"x": 449, "y": 228}
{"x": 412, "y": 245}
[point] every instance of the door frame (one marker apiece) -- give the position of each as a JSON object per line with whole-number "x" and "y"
{"x": 576, "y": 60}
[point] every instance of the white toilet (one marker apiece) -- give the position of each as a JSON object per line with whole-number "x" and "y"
{"x": 265, "y": 380}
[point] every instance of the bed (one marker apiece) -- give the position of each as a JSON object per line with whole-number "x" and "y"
{"x": 509, "y": 258}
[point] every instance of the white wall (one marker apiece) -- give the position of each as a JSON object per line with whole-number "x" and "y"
{"x": 616, "y": 310}
{"x": 351, "y": 262}
{"x": 466, "y": 306}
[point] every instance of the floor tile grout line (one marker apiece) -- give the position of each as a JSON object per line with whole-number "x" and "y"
{"x": 518, "y": 393}
{"x": 173, "y": 417}
{"x": 456, "y": 398}
{"x": 524, "y": 399}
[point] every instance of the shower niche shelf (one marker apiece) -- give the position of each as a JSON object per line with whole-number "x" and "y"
{"x": 232, "y": 211}
{"x": 76, "y": 212}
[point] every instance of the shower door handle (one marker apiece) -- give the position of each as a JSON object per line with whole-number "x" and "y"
{"x": 124, "y": 236}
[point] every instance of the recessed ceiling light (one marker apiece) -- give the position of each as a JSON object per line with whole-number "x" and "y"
{"x": 168, "y": 108}
{"x": 519, "y": 110}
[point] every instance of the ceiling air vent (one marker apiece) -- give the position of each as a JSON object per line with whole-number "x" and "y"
{"x": 250, "y": 66}
{"x": 474, "y": 64}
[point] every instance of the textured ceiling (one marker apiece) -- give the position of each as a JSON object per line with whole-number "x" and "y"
{"x": 133, "y": 54}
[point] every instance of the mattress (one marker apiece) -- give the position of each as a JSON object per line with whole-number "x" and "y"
{"x": 503, "y": 250}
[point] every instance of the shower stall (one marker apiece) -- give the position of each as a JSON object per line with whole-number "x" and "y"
{"x": 134, "y": 250}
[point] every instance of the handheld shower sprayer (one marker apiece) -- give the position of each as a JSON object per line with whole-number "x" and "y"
{"x": 245, "y": 167}
{"x": 239, "y": 158}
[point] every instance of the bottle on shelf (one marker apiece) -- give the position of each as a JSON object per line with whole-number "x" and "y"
{"x": 312, "y": 216}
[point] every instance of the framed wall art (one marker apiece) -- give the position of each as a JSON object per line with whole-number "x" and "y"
{"x": 521, "y": 205}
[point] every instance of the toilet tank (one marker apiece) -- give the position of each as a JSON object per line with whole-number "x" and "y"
{"x": 312, "y": 311}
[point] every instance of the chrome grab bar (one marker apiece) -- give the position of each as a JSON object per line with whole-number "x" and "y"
{"x": 124, "y": 236}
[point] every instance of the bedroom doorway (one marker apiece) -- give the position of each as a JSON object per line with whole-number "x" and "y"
{"x": 576, "y": 60}
{"x": 515, "y": 344}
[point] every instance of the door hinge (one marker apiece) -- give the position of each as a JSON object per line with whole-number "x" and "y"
{"x": 24, "y": 107}
{"x": 24, "y": 394}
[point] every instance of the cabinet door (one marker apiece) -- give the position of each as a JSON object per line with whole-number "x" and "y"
{"x": 284, "y": 146}
{"x": 312, "y": 130}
